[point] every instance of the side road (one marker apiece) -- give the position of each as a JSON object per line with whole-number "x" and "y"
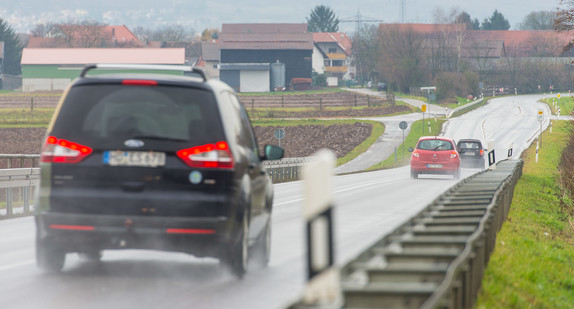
{"x": 386, "y": 144}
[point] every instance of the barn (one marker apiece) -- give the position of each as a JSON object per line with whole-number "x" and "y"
{"x": 48, "y": 69}
{"x": 253, "y": 48}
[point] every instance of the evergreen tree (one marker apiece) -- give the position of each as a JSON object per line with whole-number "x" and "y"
{"x": 464, "y": 18}
{"x": 496, "y": 22}
{"x": 12, "y": 49}
{"x": 322, "y": 19}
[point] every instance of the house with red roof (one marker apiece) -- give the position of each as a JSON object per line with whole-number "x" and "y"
{"x": 54, "y": 68}
{"x": 336, "y": 46}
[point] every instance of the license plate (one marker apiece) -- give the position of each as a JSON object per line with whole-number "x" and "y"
{"x": 434, "y": 165}
{"x": 134, "y": 158}
{"x": 469, "y": 154}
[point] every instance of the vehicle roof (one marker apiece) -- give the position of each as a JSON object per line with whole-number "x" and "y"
{"x": 466, "y": 140}
{"x": 181, "y": 80}
{"x": 435, "y": 137}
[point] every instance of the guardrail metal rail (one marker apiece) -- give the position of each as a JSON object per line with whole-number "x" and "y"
{"x": 437, "y": 258}
{"x": 17, "y": 187}
{"x": 286, "y": 169}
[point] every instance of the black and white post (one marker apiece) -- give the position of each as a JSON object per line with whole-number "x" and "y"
{"x": 323, "y": 278}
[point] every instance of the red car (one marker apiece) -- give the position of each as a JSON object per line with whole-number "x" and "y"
{"x": 435, "y": 155}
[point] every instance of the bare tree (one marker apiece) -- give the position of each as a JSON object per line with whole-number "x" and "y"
{"x": 538, "y": 20}
{"x": 143, "y": 34}
{"x": 83, "y": 34}
{"x": 173, "y": 33}
{"x": 46, "y": 30}
{"x": 453, "y": 35}
{"x": 402, "y": 56}
{"x": 366, "y": 52}
{"x": 564, "y": 16}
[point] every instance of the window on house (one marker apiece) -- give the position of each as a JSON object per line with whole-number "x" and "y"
{"x": 332, "y": 50}
{"x": 338, "y": 63}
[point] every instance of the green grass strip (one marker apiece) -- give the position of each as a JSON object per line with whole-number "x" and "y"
{"x": 18, "y": 117}
{"x": 410, "y": 141}
{"x": 532, "y": 265}
{"x": 324, "y": 90}
{"x": 466, "y": 110}
{"x": 566, "y": 105}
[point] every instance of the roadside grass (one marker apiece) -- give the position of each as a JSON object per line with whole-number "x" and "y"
{"x": 324, "y": 90}
{"x": 410, "y": 141}
{"x": 276, "y": 112}
{"x": 17, "y": 117}
{"x": 566, "y": 105}
{"x": 378, "y": 130}
{"x": 408, "y": 96}
{"x": 532, "y": 265}
{"x": 460, "y": 113}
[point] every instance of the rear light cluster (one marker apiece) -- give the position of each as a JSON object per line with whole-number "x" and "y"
{"x": 416, "y": 153}
{"x": 482, "y": 152}
{"x": 215, "y": 155}
{"x": 63, "y": 151}
{"x": 453, "y": 155}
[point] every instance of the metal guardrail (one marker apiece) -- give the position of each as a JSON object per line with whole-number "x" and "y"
{"x": 286, "y": 169}
{"x": 437, "y": 258}
{"x": 17, "y": 187}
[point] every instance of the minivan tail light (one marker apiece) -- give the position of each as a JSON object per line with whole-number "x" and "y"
{"x": 482, "y": 152}
{"x": 57, "y": 150}
{"x": 215, "y": 155}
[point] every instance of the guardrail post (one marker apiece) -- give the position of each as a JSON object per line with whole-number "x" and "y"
{"x": 9, "y": 202}
{"x": 26, "y": 198}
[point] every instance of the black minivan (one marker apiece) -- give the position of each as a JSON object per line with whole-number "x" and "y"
{"x": 152, "y": 160}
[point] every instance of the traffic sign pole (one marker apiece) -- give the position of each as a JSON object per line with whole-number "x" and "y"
{"x": 403, "y": 126}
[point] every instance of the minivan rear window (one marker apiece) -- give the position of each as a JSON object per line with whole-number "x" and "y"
{"x": 163, "y": 112}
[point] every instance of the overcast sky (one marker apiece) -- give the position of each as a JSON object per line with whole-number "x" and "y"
{"x": 201, "y": 14}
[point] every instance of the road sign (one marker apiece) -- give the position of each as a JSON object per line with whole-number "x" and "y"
{"x": 403, "y": 125}
{"x": 540, "y": 115}
{"x": 424, "y": 108}
{"x": 279, "y": 134}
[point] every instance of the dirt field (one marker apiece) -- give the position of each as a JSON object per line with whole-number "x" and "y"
{"x": 300, "y": 141}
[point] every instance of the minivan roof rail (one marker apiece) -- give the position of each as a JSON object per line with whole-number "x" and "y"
{"x": 181, "y": 68}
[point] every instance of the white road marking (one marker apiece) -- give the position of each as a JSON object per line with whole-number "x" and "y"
{"x": 16, "y": 265}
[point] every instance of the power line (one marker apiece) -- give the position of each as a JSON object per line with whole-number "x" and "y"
{"x": 358, "y": 20}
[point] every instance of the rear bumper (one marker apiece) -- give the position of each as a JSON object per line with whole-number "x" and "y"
{"x": 446, "y": 167}
{"x": 85, "y": 233}
{"x": 472, "y": 160}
